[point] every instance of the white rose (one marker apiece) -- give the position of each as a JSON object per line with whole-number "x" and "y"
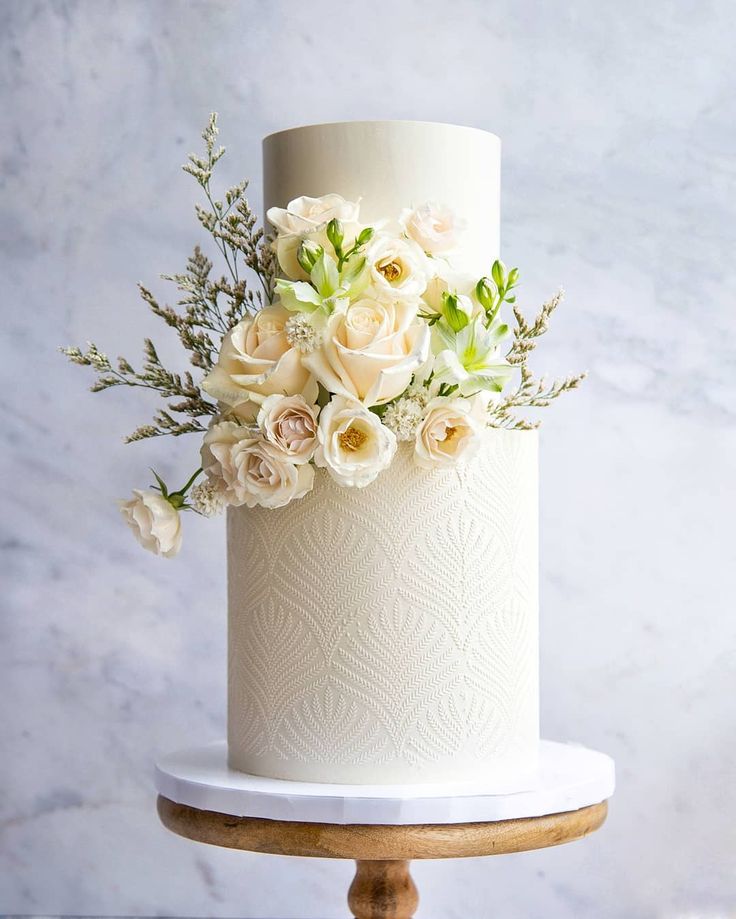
{"x": 154, "y": 522}
{"x": 256, "y": 360}
{"x": 307, "y": 218}
{"x": 447, "y": 280}
{"x": 433, "y": 226}
{"x": 252, "y": 471}
{"x": 370, "y": 350}
{"x": 451, "y": 428}
{"x": 290, "y": 424}
{"x": 353, "y": 444}
{"x": 304, "y": 214}
{"x": 398, "y": 269}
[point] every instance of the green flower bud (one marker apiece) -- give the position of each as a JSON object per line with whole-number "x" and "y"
{"x": 365, "y": 236}
{"x": 485, "y": 293}
{"x": 335, "y": 233}
{"x": 308, "y": 253}
{"x": 456, "y": 318}
{"x": 498, "y": 273}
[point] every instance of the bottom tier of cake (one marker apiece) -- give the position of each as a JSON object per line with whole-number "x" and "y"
{"x": 390, "y": 634}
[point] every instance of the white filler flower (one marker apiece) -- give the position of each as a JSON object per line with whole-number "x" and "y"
{"x": 154, "y": 521}
{"x": 353, "y": 444}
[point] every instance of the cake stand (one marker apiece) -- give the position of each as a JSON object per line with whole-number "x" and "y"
{"x": 382, "y": 827}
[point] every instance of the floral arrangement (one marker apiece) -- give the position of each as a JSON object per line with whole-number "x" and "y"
{"x": 325, "y": 347}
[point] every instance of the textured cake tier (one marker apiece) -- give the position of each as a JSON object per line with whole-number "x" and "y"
{"x": 389, "y": 634}
{"x": 390, "y": 165}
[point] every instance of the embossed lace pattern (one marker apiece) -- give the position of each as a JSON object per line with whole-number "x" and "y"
{"x": 389, "y": 634}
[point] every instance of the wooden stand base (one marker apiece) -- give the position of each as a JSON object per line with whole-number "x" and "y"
{"x": 383, "y": 889}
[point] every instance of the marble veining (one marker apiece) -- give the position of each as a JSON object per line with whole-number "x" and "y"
{"x": 618, "y": 180}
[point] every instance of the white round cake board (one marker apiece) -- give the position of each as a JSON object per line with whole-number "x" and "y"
{"x": 569, "y": 777}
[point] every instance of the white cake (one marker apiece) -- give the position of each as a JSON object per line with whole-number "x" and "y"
{"x": 389, "y": 634}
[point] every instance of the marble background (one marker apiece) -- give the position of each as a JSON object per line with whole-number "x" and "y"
{"x": 619, "y": 181}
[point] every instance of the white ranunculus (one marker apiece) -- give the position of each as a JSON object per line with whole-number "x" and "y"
{"x": 370, "y": 350}
{"x": 154, "y": 522}
{"x": 252, "y": 471}
{"x": 256, "y": 360}
{"x": 398, "y": 268}
{"x": 306, "y": 219}
{"x": 433, "y": 226}
{"x": 451, "y": 428}
{"x": 353, "y": 444}
{"x": 290, "y": 424}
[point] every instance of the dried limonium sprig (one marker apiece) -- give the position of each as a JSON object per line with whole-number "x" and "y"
{"x": 530, "y": 392}
{"x": 210, "y": 307}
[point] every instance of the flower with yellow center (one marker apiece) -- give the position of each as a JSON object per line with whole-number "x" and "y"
{"x": 353, "y": 445}
{"x": 397, "y": 268}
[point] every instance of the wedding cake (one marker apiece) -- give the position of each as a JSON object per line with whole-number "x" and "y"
{"x": 388, "y": 634}
{"x": 360, "y": 392}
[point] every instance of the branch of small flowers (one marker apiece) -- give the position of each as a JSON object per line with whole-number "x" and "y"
{"x": 525, "y": 334}
{"x": 530, "y": 393}
{"x": 155, "y": 377}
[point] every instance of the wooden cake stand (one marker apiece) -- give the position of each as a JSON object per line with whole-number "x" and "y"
{"x": 250, "y": 816}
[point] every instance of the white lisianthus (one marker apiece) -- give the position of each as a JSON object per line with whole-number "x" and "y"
{"x": 304, "y": 219}
{"x": 370, "y": 350}
{"x": 398, "y": 269}
{"x": 154, "y": 521}
{"x": 433, "y": 226}
{"x": 470, "y": 359}
{"x": 354, "y": 446}
{"x": 251, "y": 470}
{"x": 257, "y": 360}
{"x": 451, "y": 428}
{"x": 290, "y": 424}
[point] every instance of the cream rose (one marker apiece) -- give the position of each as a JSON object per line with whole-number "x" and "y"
{"x": 398, "y": 269}
{"x": 251, "y": 470}
{"x": 433, "y": 226}
{"x": 256, "y": 360}
{"x": 370, "y": 350}
{"x": 155, "y": 523}
{"x": 451, "y": 428}
{"x": 353, "y": 444}
{"x": 307, "y": 218}
{"x": 447, "y": 280}
{"x": 290, "y": 424}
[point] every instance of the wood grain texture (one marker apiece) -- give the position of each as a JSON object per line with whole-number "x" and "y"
{"x": 383, "y": 890}
{"x": 364, "y": 842}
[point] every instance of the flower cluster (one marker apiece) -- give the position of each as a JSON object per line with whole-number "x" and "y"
{"x": 365, "y": 340}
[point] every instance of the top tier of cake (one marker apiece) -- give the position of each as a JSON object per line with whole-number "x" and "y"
{"x": 391, "y": 165}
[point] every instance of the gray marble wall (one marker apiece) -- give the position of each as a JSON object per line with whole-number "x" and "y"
{"x": 619, "y": 181}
